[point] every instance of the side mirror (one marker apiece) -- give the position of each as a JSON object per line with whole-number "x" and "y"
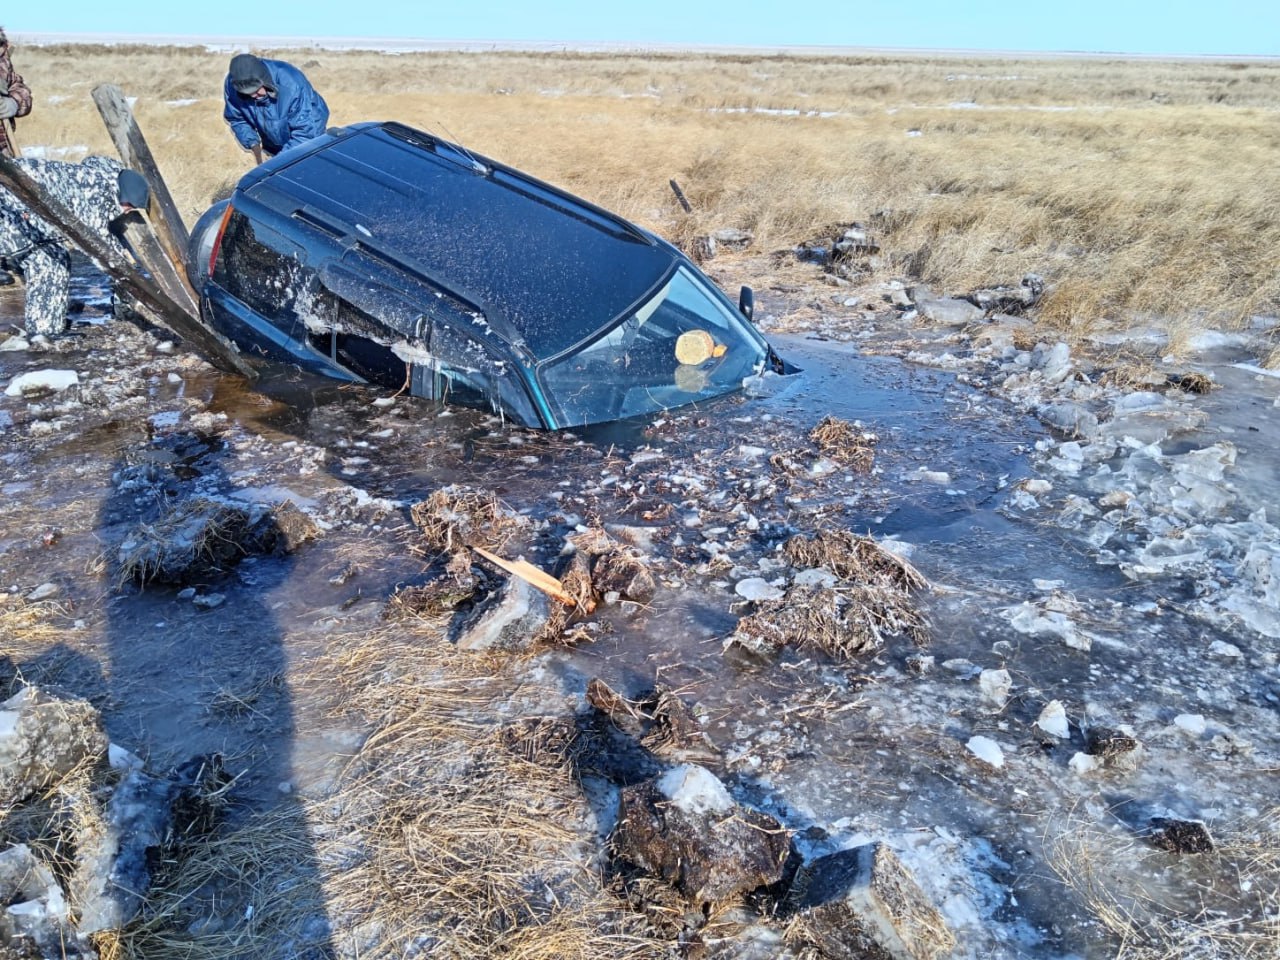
{"x": 747, "y": 303}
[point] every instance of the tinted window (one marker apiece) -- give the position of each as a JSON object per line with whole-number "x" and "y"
{"x": 258, "y": 266}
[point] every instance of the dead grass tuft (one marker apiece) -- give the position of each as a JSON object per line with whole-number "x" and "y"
{"x": 544, "y": 741}
{"x": 194, "y": 540}
{"x": 1192, "y": 382}
{"x": 845, "y": 443}
{"x": 430, "y": 601}
{"x": 1219, "y": 903}
{"x": 457, "y": 516}
{"x": 854, "y": 558}
{"x": 842, "y": 622}
{"x": 1132, "y": 376}
{"x": 434, "y": 601}
{"x": 1024, "y": 338}
{"x": 33, "y": 624}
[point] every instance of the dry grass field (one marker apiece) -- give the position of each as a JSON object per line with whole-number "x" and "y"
{"x": 1142, "y": 190}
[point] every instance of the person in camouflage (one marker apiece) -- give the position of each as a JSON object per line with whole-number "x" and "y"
{"x": 15, "y": 97}
{"x": 15, "y": 101}
{"x": 97, "y": 191}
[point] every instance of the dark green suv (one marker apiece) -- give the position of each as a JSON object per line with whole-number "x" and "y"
{"x": 380, "y": 253}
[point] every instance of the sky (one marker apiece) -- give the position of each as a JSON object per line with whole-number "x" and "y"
{"x": 1181, "y": 27}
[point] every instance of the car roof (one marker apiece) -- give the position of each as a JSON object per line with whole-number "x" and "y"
{"x": 537, "y": 261}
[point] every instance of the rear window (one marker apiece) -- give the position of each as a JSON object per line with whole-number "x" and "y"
{"x": 261, "y": 268}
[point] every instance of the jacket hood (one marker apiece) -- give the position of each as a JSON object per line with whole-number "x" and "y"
{"x": 248, "y": 73}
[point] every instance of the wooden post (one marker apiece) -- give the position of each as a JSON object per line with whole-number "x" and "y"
{"x": 125, "y": 132}
{"x": 684, "y": 201}
{"x": 215, "y": 348}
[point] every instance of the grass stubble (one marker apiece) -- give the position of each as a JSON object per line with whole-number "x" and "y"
{"x": 1221, "y": 904}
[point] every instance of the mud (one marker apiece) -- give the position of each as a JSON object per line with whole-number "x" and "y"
{"x": 843, "y": 752}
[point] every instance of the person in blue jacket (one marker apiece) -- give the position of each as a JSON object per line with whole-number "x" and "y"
{"x": 271, "y": 105}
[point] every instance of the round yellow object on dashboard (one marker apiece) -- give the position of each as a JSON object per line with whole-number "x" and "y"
{"x": 695, "y": 346}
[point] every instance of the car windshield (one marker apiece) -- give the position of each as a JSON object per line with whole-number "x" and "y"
{"x": 684, "y": 344}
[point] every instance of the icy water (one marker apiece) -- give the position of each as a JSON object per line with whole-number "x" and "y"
{"x": 841, "y": 752}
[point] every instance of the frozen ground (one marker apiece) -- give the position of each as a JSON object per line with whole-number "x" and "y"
{"x": 1103, "y": 604}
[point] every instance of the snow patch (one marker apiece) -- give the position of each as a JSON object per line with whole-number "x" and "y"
{"x": 695, "y": 790}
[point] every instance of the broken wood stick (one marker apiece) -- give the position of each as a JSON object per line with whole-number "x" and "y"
{"x": 534, "y": 576}
{"x": 206, "y": 341}
{"x": 675, "y": 188}
{"x": 128, "y": 138}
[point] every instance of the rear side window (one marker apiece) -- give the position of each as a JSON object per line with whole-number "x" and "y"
{"x": 261, "y": 268}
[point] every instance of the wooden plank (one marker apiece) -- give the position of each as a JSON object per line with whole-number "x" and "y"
{"x": 210, "y": 344}
{"x": 145, "y": 245}
{"x": 534, "y": 576}
{"x": 135, "y": 153}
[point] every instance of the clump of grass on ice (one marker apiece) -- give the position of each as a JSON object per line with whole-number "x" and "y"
{"x": 1224, "y": 903}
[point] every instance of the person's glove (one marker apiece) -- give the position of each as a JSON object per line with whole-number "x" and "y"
{"x": 8, "y": 107}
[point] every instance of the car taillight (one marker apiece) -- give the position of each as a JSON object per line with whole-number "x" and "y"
{"x": 217, "y": 240}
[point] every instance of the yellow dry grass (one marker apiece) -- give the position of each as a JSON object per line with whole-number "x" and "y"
{"x": 441, "y": 838}
{"x": 1218, "y": 904}
{"x": 27, "y": 625}
{"x": 463, "y": 839}
{"x": 1132, "y": 186}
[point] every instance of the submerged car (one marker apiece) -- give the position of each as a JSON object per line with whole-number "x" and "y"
{"x": 379, "y": 253}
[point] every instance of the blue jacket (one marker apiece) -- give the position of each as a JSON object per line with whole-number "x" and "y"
{"x": 292, "y": 115}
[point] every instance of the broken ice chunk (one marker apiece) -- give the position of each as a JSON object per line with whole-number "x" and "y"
{"x": 757, "y": 589}
{"x": 986, "y": 750}
{"x": 995, "y": 686}
{"x": 1192, "y": 723}
{"x": 1053, "y": 720}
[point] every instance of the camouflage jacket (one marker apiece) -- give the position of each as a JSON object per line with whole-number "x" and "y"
{"x": 87, "y": 189}
{"x": 17, "y": 89}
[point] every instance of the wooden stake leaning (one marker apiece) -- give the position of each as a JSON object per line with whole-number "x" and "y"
{"x": 128, "y": 138}
{"x": 210, "y": 344}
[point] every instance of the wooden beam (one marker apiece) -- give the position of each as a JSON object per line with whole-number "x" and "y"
{"x": 128, "y": 138}
{"x": 146, "y": 246}
{"x": 210, "y": 344}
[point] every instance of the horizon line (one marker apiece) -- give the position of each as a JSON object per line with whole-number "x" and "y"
{"x": 424, "y": 45}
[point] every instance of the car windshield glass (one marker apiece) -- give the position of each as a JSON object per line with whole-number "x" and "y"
{"x": 682, "y": 345}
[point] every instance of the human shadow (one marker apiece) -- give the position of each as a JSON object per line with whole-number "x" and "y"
{"x": 197, "y": 666}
